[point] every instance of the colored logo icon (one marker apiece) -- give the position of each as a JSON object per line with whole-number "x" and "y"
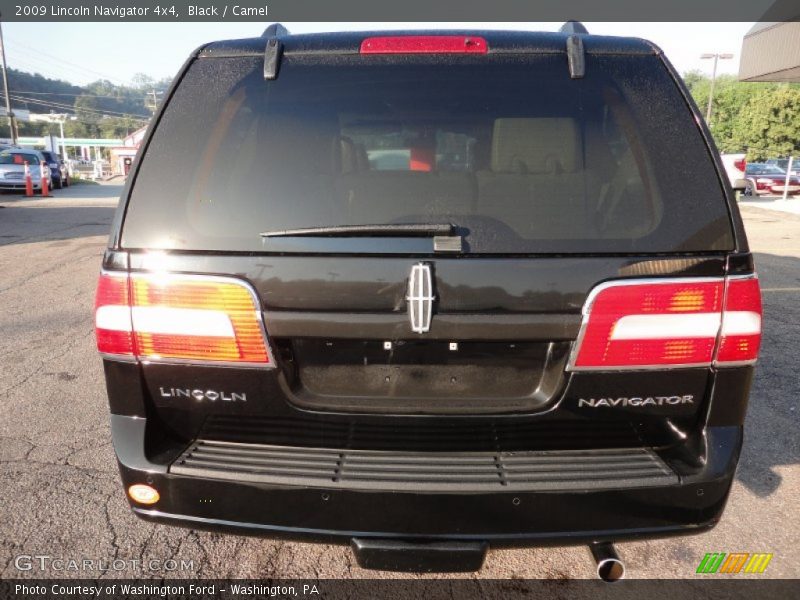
{"x": 735, "y": 562}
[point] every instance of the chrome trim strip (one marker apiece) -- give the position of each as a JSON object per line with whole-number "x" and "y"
{"x": 125, "y": 358}
{"x": 740, "y": 277}
{"x": 735, "y": 363}
{"x": 631, "y": 368}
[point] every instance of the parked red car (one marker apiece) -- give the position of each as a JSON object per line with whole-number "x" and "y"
{"x": 769, "y": 179}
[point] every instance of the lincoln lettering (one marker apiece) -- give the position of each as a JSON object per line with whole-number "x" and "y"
{"x": 635, "y": 401}
{"x": 200, "y": 395}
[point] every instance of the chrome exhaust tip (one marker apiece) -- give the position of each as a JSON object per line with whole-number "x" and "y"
{"x": 610, "y": 567}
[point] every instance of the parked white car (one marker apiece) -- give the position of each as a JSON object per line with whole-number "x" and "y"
{"x": 12, "y": 168}
{"x": 735, "y": 165}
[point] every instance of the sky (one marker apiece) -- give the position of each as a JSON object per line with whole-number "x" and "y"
{"x": 84, "y": 52}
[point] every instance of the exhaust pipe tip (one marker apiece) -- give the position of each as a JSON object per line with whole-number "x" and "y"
{"x": 611, "y": 570}
{"x": 610, "y": 567}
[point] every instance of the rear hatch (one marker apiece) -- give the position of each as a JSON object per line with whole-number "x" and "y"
{"x": 423, "y": 230}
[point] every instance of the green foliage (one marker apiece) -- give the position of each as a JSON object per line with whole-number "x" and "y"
{"x": 769, "y": 124}
{"x": 41, "y": 95}
{"x": 101, "y": 108}
{"x": 761, "y": 119}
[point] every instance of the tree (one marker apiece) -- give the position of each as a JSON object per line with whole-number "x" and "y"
{"x": 79, "y": 129}
{"x": 86, "y": 107}
{"x": 142, "y": 81}
{"x": 114, "y": 127}
{"x": 730, "y": 96}
{"x": 694, "y": 79}
{"x": 758, "y": 118}
{"x": 768, "y": 124}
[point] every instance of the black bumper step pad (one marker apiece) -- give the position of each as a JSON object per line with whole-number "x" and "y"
{"x": 425, "y": 471}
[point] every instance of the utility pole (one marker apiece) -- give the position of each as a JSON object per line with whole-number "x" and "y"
{"x": 63, "y": 145}
{"x": 155, "y": 96}
{"x": 12, "y": 124}
{"x": 716, "y": 56}
{"x": 788, "y": 178}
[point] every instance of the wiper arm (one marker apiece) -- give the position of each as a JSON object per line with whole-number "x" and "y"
{"x": 385, "y": 230}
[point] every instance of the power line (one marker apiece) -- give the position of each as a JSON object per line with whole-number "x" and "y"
{"x": 39, "y": 68}
{"x": 70, "y": 106}
{"x": 74, "y": 66}
{"x": 118, "y": 97}
{"x": 99, "y": 112}
{"x": 24, "y": 96}
{"x": 63, "y": 106}
{"x": 74, "y": 95}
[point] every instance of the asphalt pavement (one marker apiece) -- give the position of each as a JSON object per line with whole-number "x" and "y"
{"x": 60, "y": 494}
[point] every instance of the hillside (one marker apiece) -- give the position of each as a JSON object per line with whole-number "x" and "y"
{"x": 759, "y": 118}
{"x": 100, "y": 109}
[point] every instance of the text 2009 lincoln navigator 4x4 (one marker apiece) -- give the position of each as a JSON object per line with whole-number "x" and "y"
{"x": 429, "y": 293}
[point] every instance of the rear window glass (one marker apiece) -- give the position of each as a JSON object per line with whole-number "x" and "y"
{"x": 764, "y": 170}
{"x": 18, "y": 159}
{"x": 509, "y": 149}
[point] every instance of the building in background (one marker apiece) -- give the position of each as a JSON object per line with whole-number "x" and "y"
{"x": 122, "y": 156}
{"x": 771, "y": 52}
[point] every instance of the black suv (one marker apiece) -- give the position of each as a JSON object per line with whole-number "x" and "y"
{"x": 427, "y": 293}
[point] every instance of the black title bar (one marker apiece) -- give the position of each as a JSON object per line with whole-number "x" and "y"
{"x": 406, "y": 10}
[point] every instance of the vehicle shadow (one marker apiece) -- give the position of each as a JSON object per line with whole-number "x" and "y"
{"x": 773, "y": 414}
{"x": 90, "y": 190}
{"x": 20, "y": 224}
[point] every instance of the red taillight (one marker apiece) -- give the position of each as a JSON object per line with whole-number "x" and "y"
{"x": 179, "y": 317}
{"x": 425, "y": 44}
{"x": 112, "y": 315}
{"x": 740, "y": 164}
{"x": 422, "y": 159}
{"x": 740, "y": 335}
{"x": 669, "y": 323}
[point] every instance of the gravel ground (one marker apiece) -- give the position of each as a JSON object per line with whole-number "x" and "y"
{"x": 59, "y": 489}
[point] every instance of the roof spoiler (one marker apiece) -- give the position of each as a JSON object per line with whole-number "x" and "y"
{"x": 273, "y": 50}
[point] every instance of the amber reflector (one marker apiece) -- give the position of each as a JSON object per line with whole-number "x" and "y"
{"x": 143, "y": 494}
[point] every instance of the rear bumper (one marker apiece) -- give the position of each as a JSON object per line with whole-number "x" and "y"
{"x": 525, "y": 514}
{"x": 17, "y": 185}
{"x": 792, "y": 189}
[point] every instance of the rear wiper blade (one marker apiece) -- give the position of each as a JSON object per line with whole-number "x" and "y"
{"x": 385, "y": 230}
